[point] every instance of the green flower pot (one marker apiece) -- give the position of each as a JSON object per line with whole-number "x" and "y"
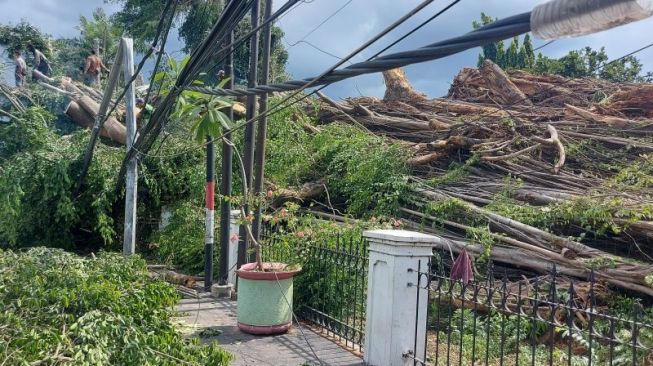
{"x": 265, "y": 298}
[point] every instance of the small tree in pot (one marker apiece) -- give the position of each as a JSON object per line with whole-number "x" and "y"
{"x": 265, "y": 289}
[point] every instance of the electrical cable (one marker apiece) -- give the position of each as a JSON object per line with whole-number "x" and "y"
{"x": 233, "y": 12}
{"x": 502, "y": 29}
{"x": 286, "y": 8}
{"x": 145, "y": 140}
{"x": 475, "y": 120}
{"x": 321, "y": 23}
{"x": 279, "y": 105}
{"x": 318, "y": 49}
{"x": 101, "y": 119}
{"x": 544, "y": 45}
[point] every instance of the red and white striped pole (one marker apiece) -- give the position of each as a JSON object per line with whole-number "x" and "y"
{"x": 209, "y": 222}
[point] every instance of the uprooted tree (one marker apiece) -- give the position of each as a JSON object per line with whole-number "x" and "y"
{"x": 527, "y": 170}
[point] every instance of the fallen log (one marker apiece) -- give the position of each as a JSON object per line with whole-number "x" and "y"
{"x": 500, "y": 84}
{"x": 593, "y": 117}
{"x": 397, "y": 87}
{"x": 634, "y": 101}
{"x": 307, "y": 191}
{"x": 112, "y": 129}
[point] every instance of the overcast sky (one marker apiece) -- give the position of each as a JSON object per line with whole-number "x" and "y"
{"x": 357, "y": 22}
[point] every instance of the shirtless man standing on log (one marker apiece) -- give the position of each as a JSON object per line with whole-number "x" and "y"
{"x": 41, "y": 63}
{"x": 93, "y": 69}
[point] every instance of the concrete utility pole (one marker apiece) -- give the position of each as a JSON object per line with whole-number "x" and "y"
{"x": 209, "y": 216}
{"x": 225, "y": 184}
{"x": 131, "y": 178}
{"x": 248, "y": 151}
{"x": 259, "y": 158}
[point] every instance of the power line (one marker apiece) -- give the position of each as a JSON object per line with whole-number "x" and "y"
{"x": 101, "y": 119}
{"x": 234, "y": 11}
{"x": 279, "y": 106}
{"x": 544, "y": 45}
{"x": 321, "y": 23}
{"x": 475, "y": 120}
{"x": 499, "y": 30}
{"x": 318, "y": 49}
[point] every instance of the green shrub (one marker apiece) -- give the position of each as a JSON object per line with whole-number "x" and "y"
{"x": 58, "y": 307}
{"x": 39, "y": 173}
{"x": 181, "y": 243}
{"x": 368, "y": 172}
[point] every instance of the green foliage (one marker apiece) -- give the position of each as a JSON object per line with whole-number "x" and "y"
{"x": 307, "y": 241}
{"x": 181, "y": 243}
{"x": 515, "y": 57}
{"x": 369, "y": 173}
{"x": 58, "y": 307}
{"x": 456, "y": 172}
{"x": 100, "y": 27}
{"x": 289, "y": 159}
{"x": 40, "y": 170}
{"x": 484, "y": 333}
{"x": 578, "y": 63}
{"x": 194, "y": 20}
{"x": 27, "y": 134}
{"x": 17, "y": 37}
{"x": 40, "y": 183}
{"x": 139, "y": 18}
{"x": 68, "y": 55}
{"x": 363, "y": 171}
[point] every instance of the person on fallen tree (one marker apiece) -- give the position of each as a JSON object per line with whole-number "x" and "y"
{"x": 93, "y": 69}
{"x": 41, "y": 63}
{"x": 144, "y": 113}
{"x": 21, "y": 69}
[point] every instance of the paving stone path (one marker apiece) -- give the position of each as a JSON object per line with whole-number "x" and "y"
{"x": 216, "y": 319}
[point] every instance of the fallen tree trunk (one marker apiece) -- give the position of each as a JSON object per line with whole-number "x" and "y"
{"x": 500, "y": 84}
{"x": 307, "y": 191}
{"x": 112, "y": 129}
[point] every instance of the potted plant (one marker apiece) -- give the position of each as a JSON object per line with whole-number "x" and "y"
{"x": 265, "y": 289}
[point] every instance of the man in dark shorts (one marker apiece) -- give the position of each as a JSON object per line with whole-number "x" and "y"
{"x": 41, "y": 63}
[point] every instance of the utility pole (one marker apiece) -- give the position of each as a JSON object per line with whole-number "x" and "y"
{"x": 114, "y": 75}
{"x": 263, "y": 119}
{"x": 248, "y": 154}
{"x": 131, "y": 178}
{"x": 209, "y": 218}
{"x": 225, "y": 183}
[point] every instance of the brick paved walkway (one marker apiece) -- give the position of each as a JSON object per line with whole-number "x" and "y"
{"x": 216, "y": 319}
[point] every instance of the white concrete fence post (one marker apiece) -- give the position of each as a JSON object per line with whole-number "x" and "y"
{"x": 233, "y": 246}
{"x": 392, "y": 302}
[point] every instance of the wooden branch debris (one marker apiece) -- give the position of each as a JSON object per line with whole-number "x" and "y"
{"x": 485, "y": 145}
{"x": 82, "y": 108}
{"x": 500, "y": 83}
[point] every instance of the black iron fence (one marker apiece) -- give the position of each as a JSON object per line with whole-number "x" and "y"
{"x": 331, "y": 291}
{"x": 544, "y": 320}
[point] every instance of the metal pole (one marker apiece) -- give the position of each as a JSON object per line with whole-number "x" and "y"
{"x": 131, "y": 178}
{"x": 225, "y": 184}
{"x": 263, "y": 120}
{"x": 209, "y": 218}
{"x": 248, "y": 154}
